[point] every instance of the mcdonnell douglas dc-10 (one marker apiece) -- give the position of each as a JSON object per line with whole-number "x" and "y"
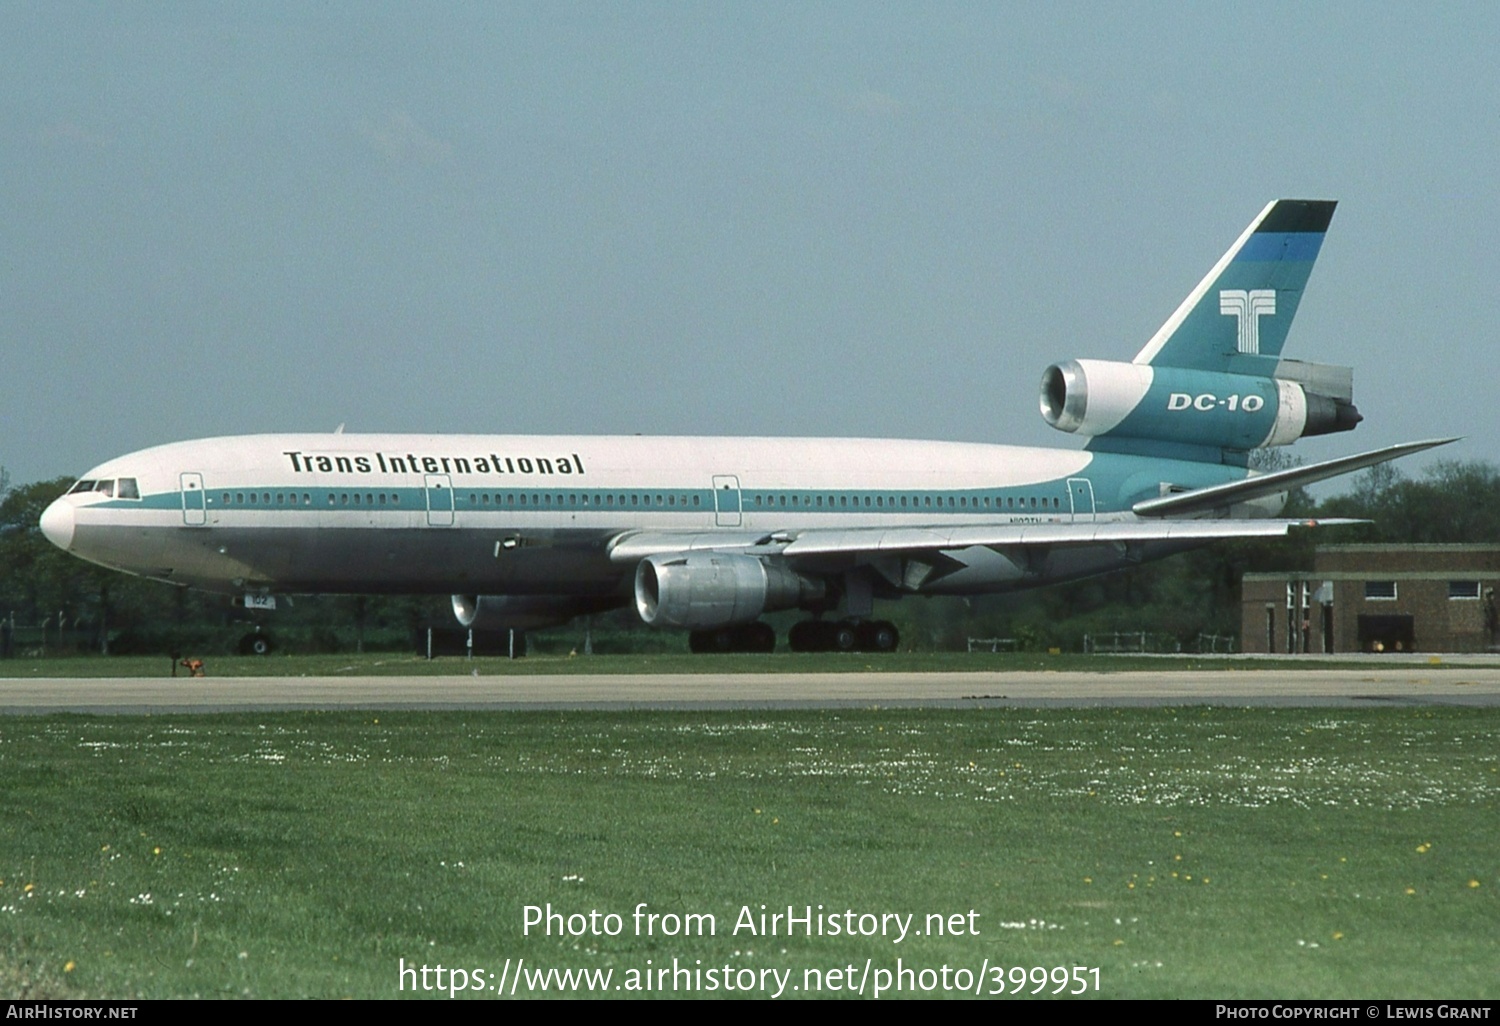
{"x": 708, "y": 534}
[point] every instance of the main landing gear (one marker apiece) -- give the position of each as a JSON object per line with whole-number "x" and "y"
{"x": 844, "y": 636}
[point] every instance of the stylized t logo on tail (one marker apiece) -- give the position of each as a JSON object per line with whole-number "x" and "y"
{"x": 1248, "y": 308}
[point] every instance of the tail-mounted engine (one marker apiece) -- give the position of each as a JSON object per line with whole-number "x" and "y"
{"x": 1195, "y": 407}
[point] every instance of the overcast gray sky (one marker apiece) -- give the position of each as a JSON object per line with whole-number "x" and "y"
{"x": 823, "y": 219}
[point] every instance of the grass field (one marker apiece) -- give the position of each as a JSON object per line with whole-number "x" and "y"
{"x": 1182, "y": 852}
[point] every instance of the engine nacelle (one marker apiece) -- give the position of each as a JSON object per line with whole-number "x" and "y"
{"x": 709, "y": 590}
{"x": 524, "y": 612}
{"x": 1174, "y": 404}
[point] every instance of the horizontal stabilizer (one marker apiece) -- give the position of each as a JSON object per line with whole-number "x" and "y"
{"x": 1203, "y": 500}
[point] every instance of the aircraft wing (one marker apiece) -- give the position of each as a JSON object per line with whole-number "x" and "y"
{"x": 1205, "y": 500}
{"x": 633, "y": 547}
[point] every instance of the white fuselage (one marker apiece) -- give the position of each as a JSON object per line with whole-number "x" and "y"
{"x": 539, "y": 514}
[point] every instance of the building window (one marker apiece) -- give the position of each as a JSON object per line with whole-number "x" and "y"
{"x": 1463, "y": 589}
{"x": 1380, "y": 590}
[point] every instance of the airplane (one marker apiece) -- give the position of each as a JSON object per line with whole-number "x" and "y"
{"x": 709, "y": 534}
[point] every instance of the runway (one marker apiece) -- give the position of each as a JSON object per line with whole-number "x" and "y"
{"x": 1406, "y": 685}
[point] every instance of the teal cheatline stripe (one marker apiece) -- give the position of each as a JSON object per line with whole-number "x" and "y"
{"x": 1048, "y": 495}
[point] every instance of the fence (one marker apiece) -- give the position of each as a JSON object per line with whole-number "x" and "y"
{"x": 1145, "y": 641}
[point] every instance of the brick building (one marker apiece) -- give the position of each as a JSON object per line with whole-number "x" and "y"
{"x": 1376, "y": 598}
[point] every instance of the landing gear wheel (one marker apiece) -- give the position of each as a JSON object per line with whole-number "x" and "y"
{"x": 878, "y": 636}
{"x": 844, "y": 637}
{"x": 256, "y": 644}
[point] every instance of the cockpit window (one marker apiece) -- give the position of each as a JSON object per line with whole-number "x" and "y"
{"x": 107, "y": 487}
{"x": 126, "y": 488}
{"x": 81, "y": 486}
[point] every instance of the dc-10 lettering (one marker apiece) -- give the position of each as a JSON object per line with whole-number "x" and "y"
{"x": 708, "y": 534}
{"x": 1251, "y": 403}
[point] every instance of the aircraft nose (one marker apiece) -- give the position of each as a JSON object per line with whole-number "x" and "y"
{"x": 57, "y": 524}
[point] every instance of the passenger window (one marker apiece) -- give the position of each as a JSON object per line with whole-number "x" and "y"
{"x": 252, "y": 498}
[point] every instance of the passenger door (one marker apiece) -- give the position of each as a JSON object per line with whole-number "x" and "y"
{"x": 726, "y": 500}
{"x": 1081, "y": 498}
{"x": 194, "y": 506}
{"x": 439, "y": 500}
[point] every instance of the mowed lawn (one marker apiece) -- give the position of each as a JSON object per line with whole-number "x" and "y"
{"x": 1180, "y": 852}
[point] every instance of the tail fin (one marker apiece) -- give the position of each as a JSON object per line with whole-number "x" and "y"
{"x": 1211, "y": 385}
{"x": 1236, "y": 320}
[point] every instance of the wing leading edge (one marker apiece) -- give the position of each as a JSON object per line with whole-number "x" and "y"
{"x": 631, "y": 548}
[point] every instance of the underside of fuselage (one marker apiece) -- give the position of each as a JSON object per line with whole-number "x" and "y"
{"x": 234, "y": 560}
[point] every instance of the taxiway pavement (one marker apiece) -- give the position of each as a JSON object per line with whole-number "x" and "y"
{"x": 1407, "y": 684}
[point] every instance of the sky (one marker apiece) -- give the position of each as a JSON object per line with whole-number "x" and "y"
{"x": 815, "y": 219}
